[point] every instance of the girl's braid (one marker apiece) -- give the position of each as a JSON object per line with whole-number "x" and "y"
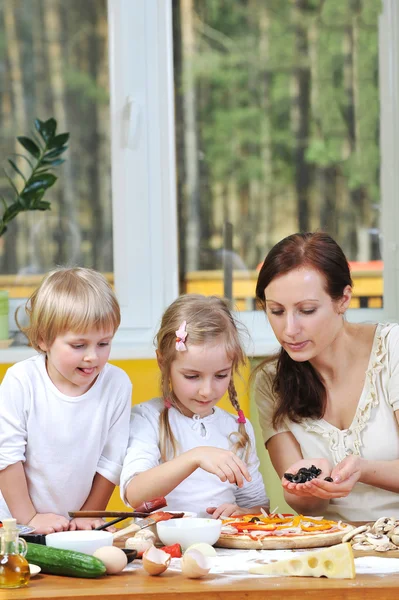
{"x": 243, "y": 443}
{"x": 233, "y": 395}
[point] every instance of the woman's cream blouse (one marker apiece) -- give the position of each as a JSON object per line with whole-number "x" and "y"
{"x": 373, "y": 434}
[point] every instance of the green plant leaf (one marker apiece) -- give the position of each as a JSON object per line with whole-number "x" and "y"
{"x": 56, "y": 152}
{"x": 11, "y": 212}
{"x": 23, "y": 202}
{"x": 16, "y": 169}
{"x": 38, "y": 141}
{"x": 24, "y": 157}
{"x": 58, "y": 141}
{"x": 46, "y": 129}
{"x": 42, "y": 205}
{"x": 53, "y": 163}
{"x": 42, "y": 181}
{"x": 29, "y": 145}
{"x": 11, "y": 182}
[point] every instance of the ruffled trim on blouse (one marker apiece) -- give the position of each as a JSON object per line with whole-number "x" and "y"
{"x": 338, "y": 437}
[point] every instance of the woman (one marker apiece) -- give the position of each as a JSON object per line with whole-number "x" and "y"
{"x": 330, "y": 398}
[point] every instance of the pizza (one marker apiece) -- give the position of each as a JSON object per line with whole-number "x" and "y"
{"x": 277, "y": 531}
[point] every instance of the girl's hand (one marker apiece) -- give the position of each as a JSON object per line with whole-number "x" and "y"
{"x": 87, "y": 524}
{"x": 304, "y": 489}
{"x": 223, "y": 463}
{"x": 49, "y": 523}
{"x": 226, "y": 510}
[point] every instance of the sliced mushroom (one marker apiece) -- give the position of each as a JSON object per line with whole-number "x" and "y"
{"x": 376, "y": 539}
{"x": 384, "y": 524}
{"x": 384, "y": 547}
{"x": 365, "y": 545}
{"x": 354, "y": 532}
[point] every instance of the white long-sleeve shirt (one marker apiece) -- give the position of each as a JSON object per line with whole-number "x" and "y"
{"x": 62, "y": 441}
{"x": 201, "y": 489}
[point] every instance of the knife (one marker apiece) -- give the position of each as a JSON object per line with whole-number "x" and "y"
{"x": 140, "y": 511}
{"x": 107, "y": 513}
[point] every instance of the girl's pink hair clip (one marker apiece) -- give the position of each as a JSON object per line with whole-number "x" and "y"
{"x": 241, "y": 417}
{"x": 181, "y": 335}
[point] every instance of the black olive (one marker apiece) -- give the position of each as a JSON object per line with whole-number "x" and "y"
{"x": 304, "y": 474}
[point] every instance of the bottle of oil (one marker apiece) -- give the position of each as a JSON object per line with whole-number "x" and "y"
{"x": 14, "y": 568}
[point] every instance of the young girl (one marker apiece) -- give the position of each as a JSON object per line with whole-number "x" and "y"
{"x": 64, "y": 413}
{"x": 182, "y": 445}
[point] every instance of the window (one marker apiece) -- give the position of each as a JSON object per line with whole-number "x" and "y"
{"x": 277, "y": 131}
{"x": 54, "y": 58}
{"x": 145, "y": 211}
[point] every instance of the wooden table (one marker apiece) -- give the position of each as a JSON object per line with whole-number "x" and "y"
{"x": 137, "y": 585}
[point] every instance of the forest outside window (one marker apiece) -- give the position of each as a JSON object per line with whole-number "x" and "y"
{"x": 277, "y": 131}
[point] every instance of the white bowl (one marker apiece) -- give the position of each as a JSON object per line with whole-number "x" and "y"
{"x": 189, "y": 531}
{"x": 153, "y": 528}
{"x": 81, "y": 541}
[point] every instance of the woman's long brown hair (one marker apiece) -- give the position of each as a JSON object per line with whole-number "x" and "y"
{"x": 299, "y": 389}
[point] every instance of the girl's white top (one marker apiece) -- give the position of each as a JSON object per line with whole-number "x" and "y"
{"x": 373, "y": 434}
{"x": 201, "y": 489}
{"x": 62, "y": 441}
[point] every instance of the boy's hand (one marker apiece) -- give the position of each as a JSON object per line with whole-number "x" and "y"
{"x": 87, "y": 524}
{"x": 223, "y": 463}
{"x": 49, "y": 523}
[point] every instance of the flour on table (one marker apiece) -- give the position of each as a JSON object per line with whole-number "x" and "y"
{"x": 236, "y": 563}
{"x": 374, "y": 565}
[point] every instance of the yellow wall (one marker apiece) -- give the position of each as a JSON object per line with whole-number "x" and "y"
{"x": 144, "y": 375}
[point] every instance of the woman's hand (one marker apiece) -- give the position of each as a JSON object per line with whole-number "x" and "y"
{"x": 303, "y": 489}
{"x": 223, "y": 463}
{"x": 49, "y": 523}
{"x": 345, "y": 475}
{"x": 226, "y": 510}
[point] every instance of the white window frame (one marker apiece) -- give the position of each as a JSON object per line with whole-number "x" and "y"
{"x": 144, "y": 183}
{"x": 143, "y": 169}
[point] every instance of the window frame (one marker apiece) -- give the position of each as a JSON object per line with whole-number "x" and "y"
{"x": 143, "y": 160}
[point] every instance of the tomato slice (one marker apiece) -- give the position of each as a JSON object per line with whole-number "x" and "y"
{"x": 174, "y": 550}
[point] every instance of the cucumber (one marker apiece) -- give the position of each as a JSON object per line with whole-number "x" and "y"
{"x": 64, "y": 562}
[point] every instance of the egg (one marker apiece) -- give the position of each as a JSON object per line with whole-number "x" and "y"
{"x": 205, "y": 549}
{"x": 114, "y": 559}
{"x": 194, "y": 564}
{"x": 155, "y": 561}
{"x": 140, "y": 544}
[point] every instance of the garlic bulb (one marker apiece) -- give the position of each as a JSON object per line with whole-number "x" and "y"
{"x": 140, "y": 544}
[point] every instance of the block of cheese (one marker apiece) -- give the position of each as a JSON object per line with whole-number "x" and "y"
{"x": 334, "y": 562}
